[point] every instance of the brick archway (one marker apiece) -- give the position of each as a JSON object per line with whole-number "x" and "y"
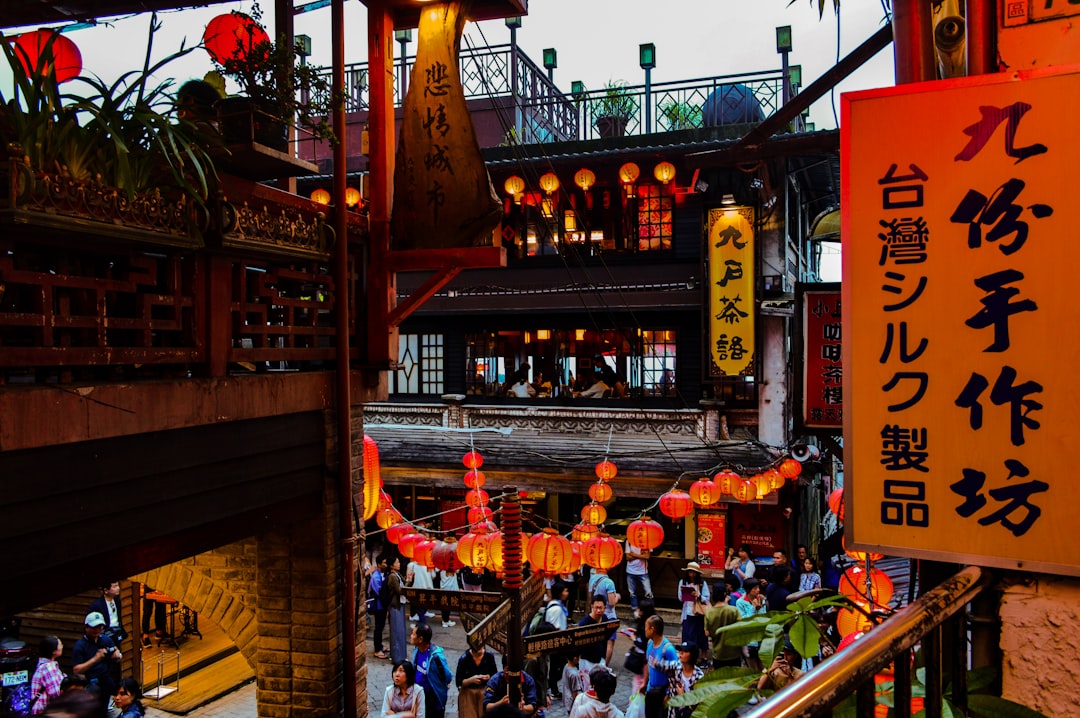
{"x": 211, "y": 599}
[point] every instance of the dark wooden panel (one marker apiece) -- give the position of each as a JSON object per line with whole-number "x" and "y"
{"x": 114, "y": 507}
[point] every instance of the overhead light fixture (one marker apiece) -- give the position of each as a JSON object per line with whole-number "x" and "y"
{"x": 513, "y": 22}
{"x": 549, "y": 182}
{"x": 647, "y": 56}
{"x": 783, "y": 39}
{"x": 577, "y": 89}
{"x": 551, "y": 58}
{"x": 728, "y": 199}
{"x": 584, "y": 178}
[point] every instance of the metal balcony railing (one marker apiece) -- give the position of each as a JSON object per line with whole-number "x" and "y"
{"x": 547, "y": 114}
{"x": 927, "y": 621}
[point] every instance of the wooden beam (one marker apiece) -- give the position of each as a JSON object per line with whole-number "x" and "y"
{"x": 418, "y": 260}
{"x": 423, "y": 293}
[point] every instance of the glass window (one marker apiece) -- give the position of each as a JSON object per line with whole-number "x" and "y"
{"x": 654, "y": 217}
{"x": 658, "y": 363}
{"x": 421, "y": 360}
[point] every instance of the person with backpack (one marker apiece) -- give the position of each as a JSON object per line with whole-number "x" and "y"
{"x": 557, "y": 615}
{"x": 432, "y": 671}
{"x": 379, "y": 595}
{"x": 600, "y": 584}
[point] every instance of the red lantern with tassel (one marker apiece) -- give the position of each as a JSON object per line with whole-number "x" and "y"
{"x": 422, "y": 553}
{"x": 583, "y": 532}
{"x": 877, "y": 591}
{"x": 474, "y": 479}
{"x": 775, "y": 479}
{"x": 495, "y": 552}
{"x": 387, "y": 517}
{"x": 395, "y": 533}
{"x": 472, "y": 549}
{"x": 836, "y": 503}
{"x": 550, "y": 552}
{"x": 479, "y": 514}
{"x": 475, "y": 498}
{"x": 594, "y": 514}
{"x": 407, "y": 544}
{"x": 472, "y": 460}
{"x": 744, "y": 490}
{"x": 676, "y": 504}
{"x": 606, "y": 471}
{"x": 233, "y": 36}
{"x": 727, "y": 480}
{"x": 602, "y": 552}
{"x": 445, "y": 557}
{"x": 790, "y": 468}
{"x": 600, "y": 492}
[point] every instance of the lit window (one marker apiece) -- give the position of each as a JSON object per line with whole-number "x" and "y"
{"x": 421, "y": 360}
{"x": 654, "y": 217}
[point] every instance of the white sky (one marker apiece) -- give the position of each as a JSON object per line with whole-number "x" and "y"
{"x": 596, "y": 40}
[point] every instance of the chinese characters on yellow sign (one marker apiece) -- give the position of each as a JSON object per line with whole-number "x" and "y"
{"x": 731, "y": 290}
{"x": 959, "y": 319}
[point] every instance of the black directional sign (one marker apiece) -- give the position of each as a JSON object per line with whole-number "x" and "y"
{"x": 570, "y": 638}
{"x": 495, "y": 622}
{"x": 470, "y": 601}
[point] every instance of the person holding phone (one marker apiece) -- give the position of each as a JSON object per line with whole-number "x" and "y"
{"x": 474, "y": 669}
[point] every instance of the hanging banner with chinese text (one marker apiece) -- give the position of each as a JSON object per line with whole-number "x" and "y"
{"x": 959, "y": 304}
{"x": 823, "y": 375}
{"x": 731, "y": 290}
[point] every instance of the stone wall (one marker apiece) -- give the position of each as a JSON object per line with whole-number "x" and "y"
{"x": 1040, "y": 629}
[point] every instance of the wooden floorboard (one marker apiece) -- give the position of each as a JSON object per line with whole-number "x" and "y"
{"x": 206, "y": 685}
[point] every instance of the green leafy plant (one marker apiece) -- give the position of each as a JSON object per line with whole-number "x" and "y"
{"x": 123, "y": 134}
{"x": 616, "y": 101}
{"x": 270, "y": 74}
{"x": 681, "y": 115}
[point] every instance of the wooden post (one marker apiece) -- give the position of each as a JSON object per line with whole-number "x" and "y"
{"x": 512, "y": 565}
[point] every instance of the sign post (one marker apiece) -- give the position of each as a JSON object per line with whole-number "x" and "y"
{"x": 570, "y": 638}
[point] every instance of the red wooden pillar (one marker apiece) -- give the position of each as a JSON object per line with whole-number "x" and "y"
{"x": 981, "y": 23}
{"x": 913, "y": 41}
{"x": 218, "y": 314}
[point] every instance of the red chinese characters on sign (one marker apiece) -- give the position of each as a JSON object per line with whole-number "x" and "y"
{"x": 711, "y": 530}
{"x": 823, "y": 376}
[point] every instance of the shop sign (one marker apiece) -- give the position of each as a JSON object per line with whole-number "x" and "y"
{"x": 731, "y": 290}
{"x": 960, "y": 302}
{"x": 471, "y": 601}
{"x": 759, "y": 526}
{"x": 823, "y": 370}
{"x": 1019, "y": 12}
{"x": 532, "y": 591}
{"x": 577, "y": 637}
{"x": 711, "y": 539}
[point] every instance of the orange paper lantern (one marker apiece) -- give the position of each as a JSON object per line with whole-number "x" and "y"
{"x": 775, "y": 479}
{"x": 479, "y": 514}
{"x": 704, "y": 492}
{"x": 605, "y": 470}
{"x": 849, "y": 621}
{"x": 744, "y": 490}
{"x": 472, "y": 460}
{"x": 385, "y": 501}
{"x": 372, "y": 477}
{"x": 472, "y": 549}
{"x": 407, "y": 544}
{"x": 550, "y": 552}
{"x": 727, "y": 480}
{"x": 600, "y": 492}
{"x": 583, "y": 532}
{"x": 860, "y": 556}
{"x": 836, "y": 503}
{"x": 422, "y": 553}
{"x": 594, "y": 514}
{"x": 387, "y": 517}
{"x": 761, "y": 484}
{"x": 877, "y": 591}
{"x": 395, "y": 533}
{"x": 676, "y": 504}
{"x": 602, "y": 552}
{"x": 575, "y": 558}
{"x": 790, "y": 468}
{"x": 646, "y": 534}
{"x": 495, "y": 552}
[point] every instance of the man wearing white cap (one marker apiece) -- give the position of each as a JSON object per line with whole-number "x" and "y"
{"x": 94, "y": 656}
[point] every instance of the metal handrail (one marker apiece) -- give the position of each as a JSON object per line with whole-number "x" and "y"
{"x": 838, "y": 677}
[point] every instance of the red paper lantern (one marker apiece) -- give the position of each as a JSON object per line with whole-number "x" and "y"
{"x": 475, "y": 479}
{"x": 790, "y": 468}
{"x": 583, "y": 532}
{"x": 472, "y": 549}
{"x": 600, "y": 492}
{"x": 605, "y": 470}
{"x": 836, "y": 503}
{"x": 744, "y": 490}
{"x": 594, "y": 514}
{"x": 475, "y": 498}
{"x": 849, "y": 639}
{"x": 704, "y": 492}
{"x": 575, "y": 558}
{"x": 726, "y": 480}
{"x": 233, "y": 36}
{"x": 602, "y": 552}
{"x": 646, "y": 534}
{"x": 860, "y": 556}
{"x": 50, "y": 49}
{"x": 395, "y": 533}
{"x": 883, "y": 686}
{"x": 387, "y": 517}
{"x": 385, "y": 501}
{"x": 762, "y": 486}
{"x": 853, "y": 584}
{"x": 372, "y": 477}
{"x": 422, "y": 553}
{"x": 485, "y": 527}
{"x": 445, "y": 557}
{"x": 550, "y": 552}
{"x": 472, "y": 460}
{"x": 407, "y": 544}
{"x": 676, "y": 504}
{"x": 479, "y": 514}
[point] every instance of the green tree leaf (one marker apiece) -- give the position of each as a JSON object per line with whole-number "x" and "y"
{"x": 994, "y": 707}
{"x": 805, "y": 635}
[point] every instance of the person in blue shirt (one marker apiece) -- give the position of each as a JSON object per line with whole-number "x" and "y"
{"x": 497, "y": 693}
{"x": 432, "y": 671}
{"x": 378, "y": 591}
{"x": 600, "y": 584}
{"x": 662, "y": 657}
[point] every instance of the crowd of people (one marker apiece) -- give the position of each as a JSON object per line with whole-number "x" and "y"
{"x": 94, "y": 687}
{"x": 583, "y": 680}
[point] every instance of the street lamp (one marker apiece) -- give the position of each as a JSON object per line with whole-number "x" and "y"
{"x": 783, "y": 46}
{"x": 514, "y": 23}
{"x": 647, "y": 60}
{"x": 551, "y": 61}
{"x": 404, "y": 37}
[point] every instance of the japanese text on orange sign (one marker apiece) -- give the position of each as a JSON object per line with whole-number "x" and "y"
{"x": 731, "y": 290}
{"x": 958, "y": 294}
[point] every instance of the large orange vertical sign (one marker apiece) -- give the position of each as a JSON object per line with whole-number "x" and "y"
{"x": 730, "y": 234}
{"x": 959, "y": 296}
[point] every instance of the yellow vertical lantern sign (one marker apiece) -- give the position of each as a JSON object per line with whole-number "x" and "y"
{"x": 731, "y": 290}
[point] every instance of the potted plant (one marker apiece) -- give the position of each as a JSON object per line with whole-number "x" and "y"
{"x": 681, "y": 115}
{"x": 276, "y": 89}
{"x": 614, "y": 108}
